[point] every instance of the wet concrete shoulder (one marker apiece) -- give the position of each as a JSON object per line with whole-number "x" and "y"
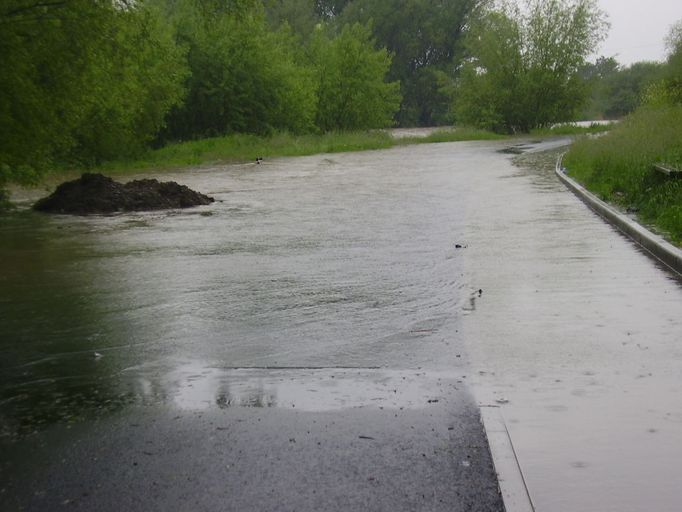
{"x": 377, "y": 453}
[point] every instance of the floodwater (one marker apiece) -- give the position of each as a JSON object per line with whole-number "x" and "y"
{"x": 443, "y": 258}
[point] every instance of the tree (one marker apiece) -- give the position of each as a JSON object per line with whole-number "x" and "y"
{"x": 425, "y": 39}
{"x": 673, "y": 79}
{"x": 523, "y": 66}
{"x": 144, "y": 71}
{"x": 327, "y": 9}
{"x": 244, "y": 77}
{"x": 82, "y": 80}
{"x": 299, "y": 15}
{"x": 626, "y": 88}
{"x": 617, "y": 91}
{"x": 352, "y": 93}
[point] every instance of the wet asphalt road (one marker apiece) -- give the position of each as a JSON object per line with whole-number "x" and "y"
{"x": 340, "y": 440}
{"x": 123, "y": 391}
{"x": 112, "y": 327}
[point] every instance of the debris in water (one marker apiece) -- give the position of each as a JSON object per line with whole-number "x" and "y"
{"x": 502, "y": 401}
{"x": 95, "y": 193}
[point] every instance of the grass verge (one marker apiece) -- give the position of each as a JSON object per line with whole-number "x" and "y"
{"x": 618, "y": 167}
{"x": 244, "y": 148}
{"x": 450, "y": 135}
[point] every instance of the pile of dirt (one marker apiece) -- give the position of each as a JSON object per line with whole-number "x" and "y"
{"x": 95, "y": 193}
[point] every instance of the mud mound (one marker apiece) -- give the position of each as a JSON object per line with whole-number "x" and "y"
{"x": 94, "y": 193}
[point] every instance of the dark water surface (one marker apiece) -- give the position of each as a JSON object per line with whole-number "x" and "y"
{"x": 352, "y": 260}
{"x": 342, "y": 261}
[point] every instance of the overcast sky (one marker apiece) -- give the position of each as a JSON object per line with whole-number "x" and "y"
{"x": 638, "y": 28}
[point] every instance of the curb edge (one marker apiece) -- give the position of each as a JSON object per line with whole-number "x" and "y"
{"x": 513, "y": 489}
{"x": 653, "y": 244}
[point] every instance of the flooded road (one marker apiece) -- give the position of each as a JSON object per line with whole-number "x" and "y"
{"x": 446, "y": 258}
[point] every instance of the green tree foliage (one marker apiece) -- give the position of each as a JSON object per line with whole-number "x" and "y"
{"x": 83, "y": 80}
{"x": 669, "y": 90}
{"x": 43, "y": 58}
{"x": 352, "y": 93}
{"x": 144, "y": 72}
{"x": 328, "y": 9}
{"x": 616, "y": 90}
{"x": 244, "y": 77}
{"x": 299, "y": 15}
{"x": 425, "y": 38}
{"x": 523, "y": 66}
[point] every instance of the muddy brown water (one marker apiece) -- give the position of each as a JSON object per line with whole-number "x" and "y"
{"x": 352, "y": 260}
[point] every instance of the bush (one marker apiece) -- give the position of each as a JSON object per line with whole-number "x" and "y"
{"x": 618, "y": 166}
{"x": 352, "y": 93}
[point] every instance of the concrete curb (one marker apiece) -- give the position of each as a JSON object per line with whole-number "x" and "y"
{"x": 653, "y": 244}
{"x": 509, "y": 476}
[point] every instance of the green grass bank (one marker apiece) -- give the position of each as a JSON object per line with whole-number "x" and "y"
{"x": 618, "y": 167}
{"x": 245, "y": 148}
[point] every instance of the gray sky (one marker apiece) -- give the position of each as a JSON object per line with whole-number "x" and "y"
{"x": 638, "y": 28}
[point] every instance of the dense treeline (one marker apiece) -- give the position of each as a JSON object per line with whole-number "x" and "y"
{"x": 426, "y": 38}
{"x": 82, "y": 80}
{"x": 618, "y": 90}
{"x": 87, "y": 81}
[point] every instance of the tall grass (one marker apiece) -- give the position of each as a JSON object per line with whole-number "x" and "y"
{"x": 451, "y": 135}
{"x": 243, "y": 148}
{"x": 619, "y": 166}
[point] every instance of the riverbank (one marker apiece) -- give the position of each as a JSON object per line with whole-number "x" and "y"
{"x": 240, "y": 148}
{"x": 244, "y": 147}
{"x": 618, "y": 168}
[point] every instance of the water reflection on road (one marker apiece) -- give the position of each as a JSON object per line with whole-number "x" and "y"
{"x": 443, "y": 257}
